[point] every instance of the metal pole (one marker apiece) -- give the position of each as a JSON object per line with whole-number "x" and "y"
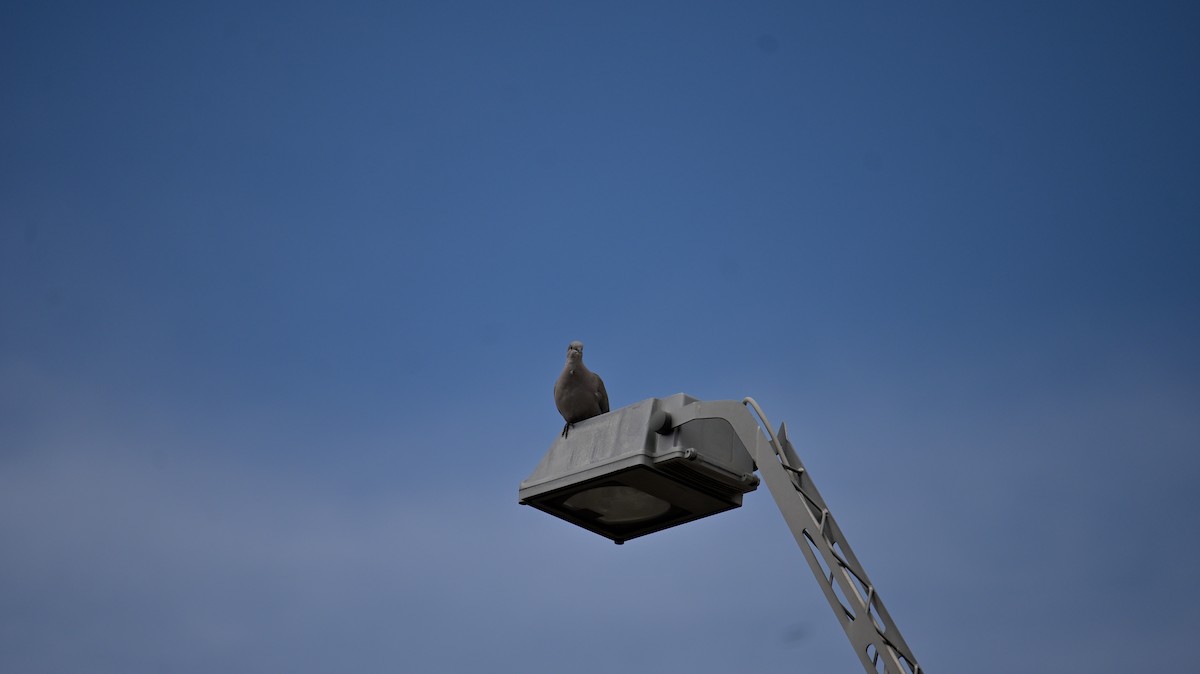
{"x": 875, "y": 638}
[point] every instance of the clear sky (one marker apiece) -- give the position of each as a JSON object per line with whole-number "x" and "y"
{"x": 285, "y": 286}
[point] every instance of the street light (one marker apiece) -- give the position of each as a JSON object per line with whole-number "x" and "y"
{"x": 634, "y": 471}
{"x": 662, "y": 462}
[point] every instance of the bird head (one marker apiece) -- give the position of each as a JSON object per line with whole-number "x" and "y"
{"x": 575, "y": 352}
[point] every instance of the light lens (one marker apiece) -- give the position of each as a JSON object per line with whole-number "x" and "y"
{"x": 618, "y": 504}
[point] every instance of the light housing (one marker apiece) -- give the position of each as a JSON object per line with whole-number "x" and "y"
{"x": 635, "y": 470}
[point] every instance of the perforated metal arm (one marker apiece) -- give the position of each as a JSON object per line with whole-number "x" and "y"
{"x": 851, "y": 595}
{"x": 876, "y": 639}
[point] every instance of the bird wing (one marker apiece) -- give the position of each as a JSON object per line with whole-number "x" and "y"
{"x": 601, "y": 395}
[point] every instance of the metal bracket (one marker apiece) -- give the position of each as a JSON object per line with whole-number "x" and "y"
{"x": 876, "y": 639}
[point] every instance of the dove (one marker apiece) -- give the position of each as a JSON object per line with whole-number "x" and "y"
{"x": 579, "y": 393}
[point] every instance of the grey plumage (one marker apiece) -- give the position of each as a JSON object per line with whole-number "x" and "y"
{"x": 579, "y": 393}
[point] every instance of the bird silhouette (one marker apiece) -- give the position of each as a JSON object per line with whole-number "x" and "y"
{"x": 579, "y": 393}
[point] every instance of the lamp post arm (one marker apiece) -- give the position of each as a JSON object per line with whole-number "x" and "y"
{"x": 851, "y": 595}
{"x": 875, "y": 638}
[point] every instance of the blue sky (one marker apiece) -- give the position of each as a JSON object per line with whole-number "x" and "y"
{"x": 285, "y": 288}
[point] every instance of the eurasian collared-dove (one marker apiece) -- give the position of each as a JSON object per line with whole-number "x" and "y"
{"x": 579, "y": 393}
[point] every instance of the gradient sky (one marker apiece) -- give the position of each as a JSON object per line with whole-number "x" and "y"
{"x": 284, "y": 289}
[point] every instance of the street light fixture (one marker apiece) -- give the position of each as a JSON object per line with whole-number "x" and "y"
{"x": 633, "y": 471}
{"x": 662, "y": 462}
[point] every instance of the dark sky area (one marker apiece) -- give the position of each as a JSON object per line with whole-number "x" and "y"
{"x": 285, "y": 287}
